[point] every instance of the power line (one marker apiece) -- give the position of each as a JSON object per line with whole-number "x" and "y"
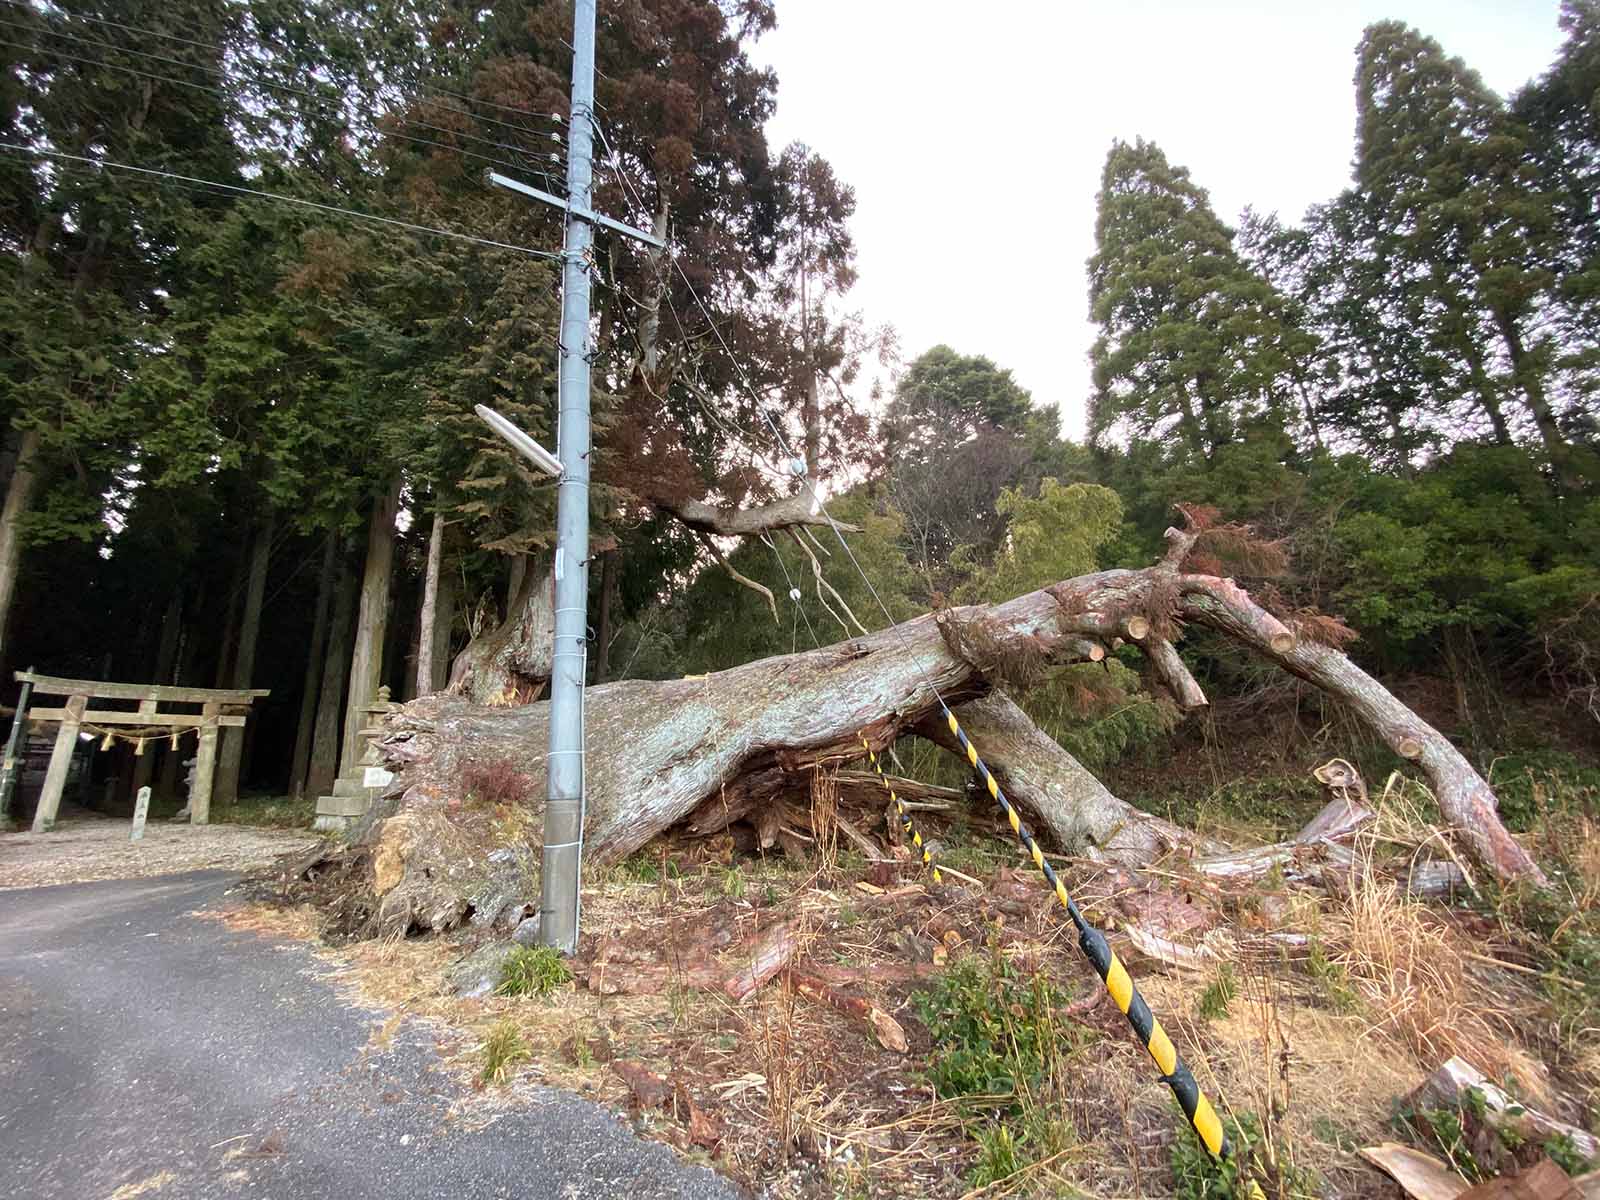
{"x": 323, "y": 102}
{"x": 219, "y": 49}
{"x": 247, "y": 191}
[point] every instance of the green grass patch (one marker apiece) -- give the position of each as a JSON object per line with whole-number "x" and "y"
{"x": 532, "y": 971}
{"x": 1218, "y": 994}
{"x": 994, "y": 1032}
{"x": 503, "y": 1049}
{"x": 267, "y": 812}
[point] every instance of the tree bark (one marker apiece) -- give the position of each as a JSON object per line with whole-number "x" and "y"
{"x": 326, "y": 578}
{"x": 443, "y": 625}
{"x": 510, "y": 664}
{"x": 430, "y": 608}
{"x": 324, "y": 764}
{"x": 659, "y": 752}
{"x": 372, "y": 620}
{"x": 19, "y": 498}
{"x": 1531, "y": 381}
{"x": 225, "y": 789}
{"x": 230, "y": 628}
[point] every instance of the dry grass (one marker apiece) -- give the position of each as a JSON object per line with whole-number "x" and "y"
{"x": 1418, "y": 986}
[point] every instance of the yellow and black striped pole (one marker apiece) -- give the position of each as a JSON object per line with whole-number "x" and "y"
{"x": 1175, "y": 1072}
{"x": 903, "y": 813}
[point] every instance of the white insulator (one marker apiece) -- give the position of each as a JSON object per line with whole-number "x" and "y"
{"x": 794, "y": 594}
{"x": 797, "y": 467}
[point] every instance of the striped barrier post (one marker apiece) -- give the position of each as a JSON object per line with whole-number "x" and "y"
{"x": 1175, "y": 1072}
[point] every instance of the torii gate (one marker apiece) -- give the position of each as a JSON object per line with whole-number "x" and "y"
{"x": 218, "y": 708}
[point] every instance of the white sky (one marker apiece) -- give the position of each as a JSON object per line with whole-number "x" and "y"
{"x": 974, "y": 135}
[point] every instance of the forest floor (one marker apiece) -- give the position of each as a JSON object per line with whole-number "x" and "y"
{"x": 947, "y": 1039}
{"x": 86, "y": 846}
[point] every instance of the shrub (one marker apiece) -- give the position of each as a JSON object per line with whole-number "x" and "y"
{"x": 1255, "y": 1159}
{"x": 994, "y": 1033}
{"x": 495, "y": 781}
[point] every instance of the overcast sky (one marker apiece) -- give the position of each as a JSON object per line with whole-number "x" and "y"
{"x": 974, "y": 135}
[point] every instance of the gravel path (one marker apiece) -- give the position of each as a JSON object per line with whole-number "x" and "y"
{"x": 88, "y": 848}
{"x": 150, "y": 1052}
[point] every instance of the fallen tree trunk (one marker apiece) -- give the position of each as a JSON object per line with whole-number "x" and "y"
{"x": 706, "y": 751}
{"x": 1078, "y": 810}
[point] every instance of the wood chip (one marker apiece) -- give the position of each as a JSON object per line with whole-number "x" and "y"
{"x": 1423, "y": 1176}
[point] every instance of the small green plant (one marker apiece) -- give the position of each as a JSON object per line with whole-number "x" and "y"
{"x": 503, "y": 1049}
{"x": 733, "y": 883}
{"x": 1332, "y": 980}
{"x": 1564, "y": 1152}
{"x": 998, "y": 1155}
{"x": 1255, "y": 1159}
{"x": 1444, "y": 1129}
{"x": 532, "y": 971}
{"x": 641, "y": 868}
{"x": 1219, "y": 993}
{"x": 995, "y": 1034}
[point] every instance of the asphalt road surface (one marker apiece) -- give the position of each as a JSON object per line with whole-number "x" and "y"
{"x": 159, "y": 1053}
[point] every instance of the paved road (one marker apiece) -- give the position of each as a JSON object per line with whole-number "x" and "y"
{"x": 142, "y": 1045}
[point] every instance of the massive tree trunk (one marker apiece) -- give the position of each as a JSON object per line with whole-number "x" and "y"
{"x": 372, "y": 621}
{"x": 324, "y": 764}
{"x": 225, "y": 789}
{"x": 301, "y": 759}
{"x": 702, "y": 751}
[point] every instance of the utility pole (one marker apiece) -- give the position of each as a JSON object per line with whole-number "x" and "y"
{"x": 564, "y": 808}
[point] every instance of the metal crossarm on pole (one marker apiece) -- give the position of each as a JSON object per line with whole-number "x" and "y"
{"x": 1175, "y": 1072}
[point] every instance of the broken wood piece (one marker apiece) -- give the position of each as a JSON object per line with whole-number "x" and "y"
{"x": 1165, "y": 950}
{"x": 1542, "y": 1181}
{"x": 767, "y": 958}
{"x": 1422, "y": 1176}
{"x": 872, "y": 849}
{"x": 839, "y": 976}
{"x": 1434, "y": 877}
{"x": 1448, "y": 1086}
{"x": 965, "y": 878}
{"x": 1298, "y": 863}
{"x": 1339, "y": 821}
{"x": 1170, "y": 669}
{"x": 885, "y": 1028}
{"x": 648, "y": 1089}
